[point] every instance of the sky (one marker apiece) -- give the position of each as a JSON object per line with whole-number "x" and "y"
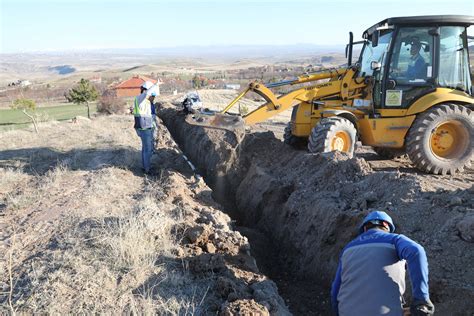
{"x": 54, "y": 25}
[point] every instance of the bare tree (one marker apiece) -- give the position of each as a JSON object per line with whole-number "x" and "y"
{"x": 26, "y": 105}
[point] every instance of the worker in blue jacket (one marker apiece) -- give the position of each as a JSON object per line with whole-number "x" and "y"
{"x": 370, "y": 278}
{"x": 417, "y": 68}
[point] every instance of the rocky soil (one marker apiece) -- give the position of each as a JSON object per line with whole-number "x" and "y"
{"x": 308, "y": 206}
{"x": 84, "y": 231}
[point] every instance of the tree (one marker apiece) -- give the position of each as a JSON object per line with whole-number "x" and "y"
{"x": 109, "y": 103}
{"x": 24, "y": 105}
{"x": 196, "y": 82}
{"x": 83, "y": 93}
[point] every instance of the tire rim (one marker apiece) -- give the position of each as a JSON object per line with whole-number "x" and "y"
{"x": 341, "y": 141}
{"x": 449, "y": 140}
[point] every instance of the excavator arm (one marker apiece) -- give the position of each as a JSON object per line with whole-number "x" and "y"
{"x": 341, "y": 84}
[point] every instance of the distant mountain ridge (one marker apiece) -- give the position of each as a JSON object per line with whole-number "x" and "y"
{"x": 219, "y": 51}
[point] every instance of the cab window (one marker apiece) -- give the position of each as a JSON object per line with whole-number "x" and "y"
{"x": 412, "y": 59}
{"x": 453, "y": 59}
{"x": 370, "y": 54}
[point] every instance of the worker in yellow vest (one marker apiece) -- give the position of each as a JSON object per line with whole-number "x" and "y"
{"x": 142, "y": 111}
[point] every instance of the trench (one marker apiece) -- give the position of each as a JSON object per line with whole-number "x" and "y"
{"x": 299, "y": 210}
{"x": 226, "y": 171}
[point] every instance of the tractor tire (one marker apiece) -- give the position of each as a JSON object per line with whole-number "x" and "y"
{"x": 389, "y": 153}
{"x": 441, "y": 140}
{"x": 333, "y": 133}
{"x": 292, "y": 140}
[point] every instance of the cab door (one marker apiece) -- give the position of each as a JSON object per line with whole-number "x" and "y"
{"x": 411, "y": 71}
{"x": 372, "y": 63}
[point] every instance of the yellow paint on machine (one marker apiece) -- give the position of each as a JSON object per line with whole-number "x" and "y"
{"x": 385, "y": 132}
{"x": 441, "y": 95}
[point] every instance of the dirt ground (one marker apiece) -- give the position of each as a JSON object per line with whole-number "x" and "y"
{"x": 84, "y": 231}
{"x": 308, "y": 206}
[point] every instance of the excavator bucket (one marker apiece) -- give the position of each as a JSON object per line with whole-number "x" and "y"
{"x": 217, "y": 120}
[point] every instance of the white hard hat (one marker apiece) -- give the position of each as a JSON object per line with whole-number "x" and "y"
{"x": 152, "y": 91}
{"x": 147, "y": 85}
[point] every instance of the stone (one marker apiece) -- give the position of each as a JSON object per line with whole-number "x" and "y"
{"x": 455, "y": 200}
{"x": 370, "y": 196}
{"x": 210, "y": 248}
{"x": 179, "y": 252}
{"x": 194, "y": 233}
{"x": 465, "y": 226}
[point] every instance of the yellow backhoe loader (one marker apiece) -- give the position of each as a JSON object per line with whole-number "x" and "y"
{"x": 409, "y": 92}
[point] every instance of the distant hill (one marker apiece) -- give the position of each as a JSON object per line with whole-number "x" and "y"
{"x": 226, "y": 52}
{"x": 219, "y": 51}
{"x": 48, "y": 66}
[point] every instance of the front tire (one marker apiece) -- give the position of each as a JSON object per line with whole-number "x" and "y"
{"x": 441, "y": 140}
{"x": 331, "y": 134}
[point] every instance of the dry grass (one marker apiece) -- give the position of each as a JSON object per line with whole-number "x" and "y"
{"x": 92, "y": 236}
{"x": 140, "y": 237}
{"x": 119, "y": 264}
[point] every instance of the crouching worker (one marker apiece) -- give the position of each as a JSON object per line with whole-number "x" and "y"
{"x": 370, "y": 278}
{"x": 142, "y": 111}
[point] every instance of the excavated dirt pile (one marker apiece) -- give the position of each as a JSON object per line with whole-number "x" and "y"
{"x": 310, "y": 206}
{"x": 83, "y": 231}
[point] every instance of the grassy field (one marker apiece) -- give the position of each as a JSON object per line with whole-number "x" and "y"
{"x": 15, "y": 119}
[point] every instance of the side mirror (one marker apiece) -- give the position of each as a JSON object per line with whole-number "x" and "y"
{"x": 375, "y": 39}
{"x": 375, "y": 65}
{"x": 349, "y": 49}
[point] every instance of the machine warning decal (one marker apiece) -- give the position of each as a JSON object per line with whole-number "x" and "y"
{"x": 429, "y": 71}
{"x": 362, "y": 103}
{"x": 393, "y": 98}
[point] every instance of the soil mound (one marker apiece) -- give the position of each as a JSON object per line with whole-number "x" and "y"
{"x": 310, "y": 206}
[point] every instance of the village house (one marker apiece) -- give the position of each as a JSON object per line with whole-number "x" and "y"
{"x": 131, "y": 87}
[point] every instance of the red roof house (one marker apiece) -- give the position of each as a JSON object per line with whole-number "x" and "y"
{"x": 131, "y": 87}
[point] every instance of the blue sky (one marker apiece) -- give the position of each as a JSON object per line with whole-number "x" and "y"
{"x": 52, "y": 25}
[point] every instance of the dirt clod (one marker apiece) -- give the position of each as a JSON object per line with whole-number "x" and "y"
{"x": 465, "y": 226}
{"x": 455, "y": 201}
{"x": 210, "y": 248}
{"x": 194, "y": 233}
{"x": 243, "y": 308}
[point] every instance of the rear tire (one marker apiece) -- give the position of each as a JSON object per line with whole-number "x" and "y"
{"x": 389, "y": 153}
{"x": 441, "y": 140}
{"x": 292, "y": 140}
{"x": 333, "y": 133}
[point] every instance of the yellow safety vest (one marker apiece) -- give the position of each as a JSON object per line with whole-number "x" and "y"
{"x": 142, "y": 112}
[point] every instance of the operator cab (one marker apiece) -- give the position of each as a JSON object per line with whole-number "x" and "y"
{"x": 408, "y": 57}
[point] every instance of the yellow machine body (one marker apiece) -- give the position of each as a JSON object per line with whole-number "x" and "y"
{"x": 373, "y": 103}
{"x": 386, "y": 128}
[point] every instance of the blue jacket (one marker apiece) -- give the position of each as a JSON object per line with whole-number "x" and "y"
{"x": 417, "y": 68}
{"x": 370, "y": 278}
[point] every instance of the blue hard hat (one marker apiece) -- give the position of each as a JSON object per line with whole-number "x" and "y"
{"x": 153, "y": 94}
{"x": 377, "y": 216}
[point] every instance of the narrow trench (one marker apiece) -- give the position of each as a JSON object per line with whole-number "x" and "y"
{"x": 303, "y": 296}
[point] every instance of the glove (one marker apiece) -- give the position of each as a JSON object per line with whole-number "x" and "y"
{"x": 422, "y": 308}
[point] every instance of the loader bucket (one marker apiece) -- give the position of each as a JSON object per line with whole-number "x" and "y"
{"x": 217, "y": 120}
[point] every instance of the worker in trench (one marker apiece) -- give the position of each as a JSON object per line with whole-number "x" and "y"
{"x": 370, "y": 278}
{"x": 143, "y": 111}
